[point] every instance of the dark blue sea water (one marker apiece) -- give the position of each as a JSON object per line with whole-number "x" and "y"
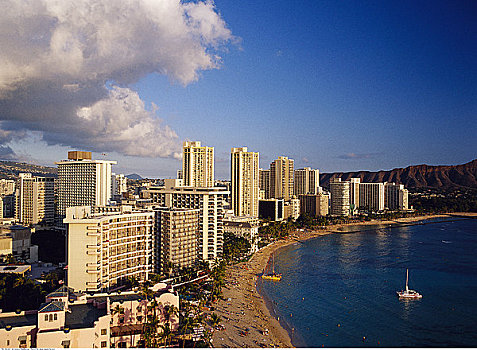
{"x": 339, "y": 288}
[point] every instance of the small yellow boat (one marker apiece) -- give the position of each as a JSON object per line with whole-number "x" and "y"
{"x": 273, "y": 276}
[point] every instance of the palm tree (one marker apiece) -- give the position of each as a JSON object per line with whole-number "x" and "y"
{"x": 206, "y": 336}
{"x": 168, "y": 312}
{"x": 150, "y": 331}
{"x": 165, "y": 333}
{"x": 215, "y": 319}
{"x": 186, "y": 325}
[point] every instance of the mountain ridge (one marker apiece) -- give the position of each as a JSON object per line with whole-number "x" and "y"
{"x": 416, "y": 176}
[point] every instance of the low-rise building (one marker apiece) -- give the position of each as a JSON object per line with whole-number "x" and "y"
{"x": 271, "y": 209}
{"x": 15, "y": 240}
{"x": 292, "y": 208}
{"x": 75, "y": 320}
{"x": 245, "y": 227}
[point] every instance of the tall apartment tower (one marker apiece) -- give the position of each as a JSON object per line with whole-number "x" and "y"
{"x": 176, "y": 231}
{"x": 210, "y": 202}
{"x": 83, "y": 181}
{"x": 35, "y": 200}
{"x": 339, "y": 197}
{"x": 314, "y": 204}
{"x": 264, "y": 183}
{"x": 105, "y": 247}
{"x": 396, "y": 196}
{"x": 197, "y": 165}
{"x": 281, "y": 178}
{"x": 245, "y": 182}
{"x": 354, "y": 203}
{"x": 371, "y": 196}
{"x": 307, "y": 181}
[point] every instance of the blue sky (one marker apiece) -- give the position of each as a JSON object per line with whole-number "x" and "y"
{"x": 335, "y": 85}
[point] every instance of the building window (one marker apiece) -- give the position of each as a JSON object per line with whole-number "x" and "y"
{"x": 104, "y": 344}
{"x": 50, "y": 318}
{"x": 46, "y": 317}
{"x": 55, "y": 317}
{"x": 103, "y": 331}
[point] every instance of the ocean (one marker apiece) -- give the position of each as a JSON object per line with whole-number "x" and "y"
{"x": 339, "y": 290}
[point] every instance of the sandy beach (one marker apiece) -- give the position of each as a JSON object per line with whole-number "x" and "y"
{"x": 244, "y": 312}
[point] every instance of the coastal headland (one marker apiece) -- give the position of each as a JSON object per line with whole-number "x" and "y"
{"x": 248, "y": 319}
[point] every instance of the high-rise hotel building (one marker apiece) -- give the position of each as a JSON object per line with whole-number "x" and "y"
{"x": 107, "y": 245}
{"x": 281, "y": 178}
{"x": 371, "y": 196}
{"x": 397, "y": 197}
{"x": 197, "y": 165}
{"x": 245, "y": 182}
{"x": 176, "y": 238}
{"x": 83, "y": 181}
{"x": 340, "y": 193}
{"x": 35, "y": 200}
{"x": 307, "y": 181}
{"x": 264, "y": 183}
{"x": 210, "y": 202}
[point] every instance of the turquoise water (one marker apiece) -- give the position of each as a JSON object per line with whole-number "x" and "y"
{"x": 339, "y": 288}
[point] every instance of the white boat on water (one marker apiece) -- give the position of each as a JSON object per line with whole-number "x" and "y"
{"x": 408, "y": 293}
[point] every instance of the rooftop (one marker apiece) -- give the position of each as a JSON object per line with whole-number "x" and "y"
{"x": 52, "y": 306}
{"x": 83, "y": 316}
{"x": 63, "y": 291}
{"x": 18, "y": 321}
{"x": 125, "y": 297}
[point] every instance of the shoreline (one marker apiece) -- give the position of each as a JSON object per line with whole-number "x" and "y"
{"x": 244, "y": 307}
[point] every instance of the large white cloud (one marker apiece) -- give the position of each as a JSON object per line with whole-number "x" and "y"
{"x": 57, "y": 57}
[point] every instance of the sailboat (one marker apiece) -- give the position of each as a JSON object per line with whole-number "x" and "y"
{"x": 273, "y": 275}
{"x": 408, "y": 293}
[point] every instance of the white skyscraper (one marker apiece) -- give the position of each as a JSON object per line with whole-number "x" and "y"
{"x": 197, "y": 165}
{"x": 245, "y": 182}
{"x": 83, "y": 181}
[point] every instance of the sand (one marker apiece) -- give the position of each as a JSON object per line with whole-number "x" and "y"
{"x": 244, "y": 308}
